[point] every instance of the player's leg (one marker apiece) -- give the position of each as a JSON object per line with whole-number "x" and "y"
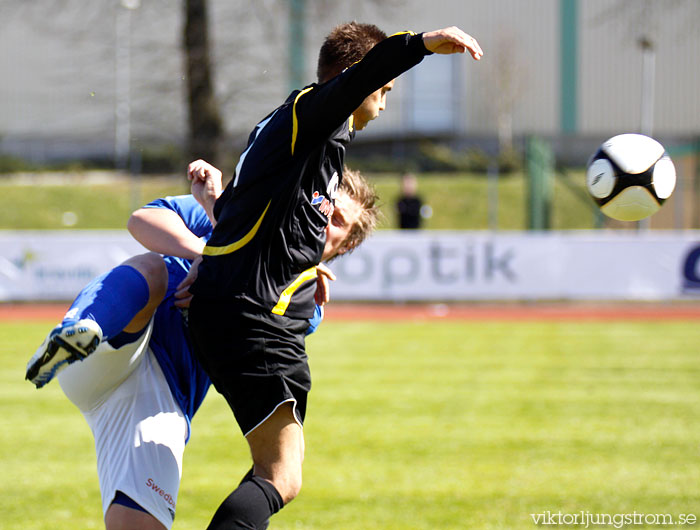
{"x": 140, "y": 433}
{"x": 138, "y": 426}
{"x": 277, "y": 447}
{"x": 98, "y": 387}
{"x": 122, "y": 300}
{"x": 257, "y": 361}
{"x": 120, "y": 517}
{"x": 152, "y": 268}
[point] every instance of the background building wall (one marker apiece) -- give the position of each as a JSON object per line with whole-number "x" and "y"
{"x": 58, "y": 94}
{"x": 611, "y": 65}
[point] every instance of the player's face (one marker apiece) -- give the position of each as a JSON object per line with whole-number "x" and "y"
{"x": 371, "y": 106}
{"x": 346, "y": 213}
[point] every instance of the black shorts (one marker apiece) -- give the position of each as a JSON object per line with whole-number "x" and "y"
{"x": 256, "y": 360}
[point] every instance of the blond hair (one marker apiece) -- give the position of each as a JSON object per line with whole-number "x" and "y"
{"x": 358, "y": 188}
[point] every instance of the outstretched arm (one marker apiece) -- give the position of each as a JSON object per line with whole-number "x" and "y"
{"x": 323, "y": 108}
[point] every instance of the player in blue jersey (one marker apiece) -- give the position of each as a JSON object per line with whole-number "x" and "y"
{"x": 141, "y": 387}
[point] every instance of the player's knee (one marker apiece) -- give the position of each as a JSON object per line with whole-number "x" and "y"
{"x": 277, "y": 446}
{"x": 288, "y": 486}
{"x": 286, "y": 480}
{"x": 153, "y": 269}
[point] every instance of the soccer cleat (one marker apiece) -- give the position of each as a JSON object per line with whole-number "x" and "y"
{"x": 68, "y": 342}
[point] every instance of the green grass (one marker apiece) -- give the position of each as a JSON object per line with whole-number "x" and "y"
{"x": 461, "y": 202}
{"x": 104, "y": 205}
{"x": 414, "y": 425}
{"x": 458, "y": 202}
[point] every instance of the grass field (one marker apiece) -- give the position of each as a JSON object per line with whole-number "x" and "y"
{"x": 459, "y": 202}
{"x": 418, "y": 425}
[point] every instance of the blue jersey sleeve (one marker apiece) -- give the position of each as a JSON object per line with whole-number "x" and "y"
{"x": 189, "y": 210}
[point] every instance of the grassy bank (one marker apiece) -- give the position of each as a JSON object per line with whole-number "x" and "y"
{"x": 459, "y": 202}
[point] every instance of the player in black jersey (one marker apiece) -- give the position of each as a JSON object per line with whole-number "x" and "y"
{"x": 280, "y": 216}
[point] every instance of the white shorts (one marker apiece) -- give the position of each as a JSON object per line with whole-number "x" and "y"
{"x": 139, "y": 429}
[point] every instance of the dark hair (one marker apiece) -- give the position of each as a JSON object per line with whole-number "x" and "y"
{"x": 344, "y": 46}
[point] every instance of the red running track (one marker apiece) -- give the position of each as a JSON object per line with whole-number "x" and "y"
{"x": 475, "y": 311}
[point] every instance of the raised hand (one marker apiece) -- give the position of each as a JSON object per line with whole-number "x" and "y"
{"x": 206, "y": 185}
{"x": 452, "y": 40}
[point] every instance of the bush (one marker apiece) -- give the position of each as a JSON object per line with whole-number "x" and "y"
{"x": 510, "y": 161}
{"x": 163, "y": 159}
{"x": 441, "y": 158}
{"x": 11, "y": 164}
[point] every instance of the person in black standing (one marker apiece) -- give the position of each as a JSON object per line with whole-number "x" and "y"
{"x": 409, "y": 204}
{"x": 279, "y": 217}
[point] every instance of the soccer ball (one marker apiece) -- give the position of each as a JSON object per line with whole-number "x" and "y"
{"x": 630, "y": 176}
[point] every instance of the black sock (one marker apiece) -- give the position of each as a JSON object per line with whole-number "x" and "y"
{"x": 249, "y": 506}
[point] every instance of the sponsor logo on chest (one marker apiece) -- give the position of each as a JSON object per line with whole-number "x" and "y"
{"x": 325, "y": 205}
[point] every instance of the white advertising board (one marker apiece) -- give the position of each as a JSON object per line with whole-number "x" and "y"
{"x": 574, "y": 265}
{"x": 55, "y": 265}
{"x": 410, "y": 266}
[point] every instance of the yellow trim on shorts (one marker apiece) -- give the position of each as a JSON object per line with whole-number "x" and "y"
{"x": 233, "y": 247}
{"x": 295, "y": 122}
{"x": 286, "y": 296}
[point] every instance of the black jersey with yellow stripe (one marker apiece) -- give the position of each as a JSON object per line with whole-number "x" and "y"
{"x": 271, "y": 218}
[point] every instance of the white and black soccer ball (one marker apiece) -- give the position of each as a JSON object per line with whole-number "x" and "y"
{"x": 630, "y": 176}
